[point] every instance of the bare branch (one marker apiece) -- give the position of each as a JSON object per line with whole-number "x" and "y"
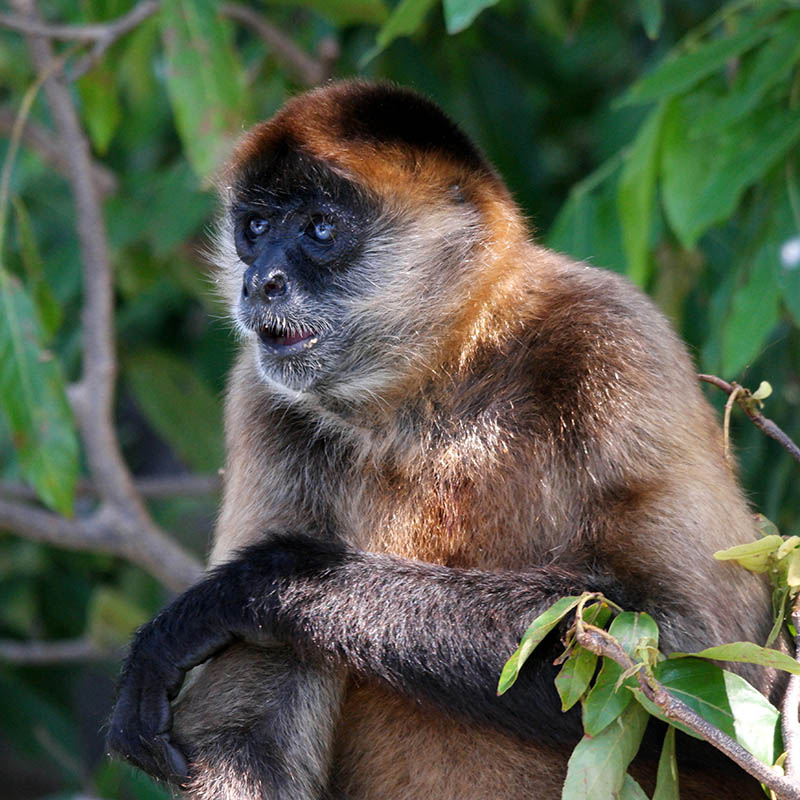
{"x": 765, "y": 425}
{"x": 96, "y": 32}
{"x": 150, "y": 488}
{"x": 602, "y": 643}
{"x": 307, "y": 70}
{"x": 42, "y": 141}
{"x": 106, "y": 531}
{"x": 60, "y": 652}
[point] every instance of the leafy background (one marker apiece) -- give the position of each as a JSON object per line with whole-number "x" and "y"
{"x": 657, "y": 139}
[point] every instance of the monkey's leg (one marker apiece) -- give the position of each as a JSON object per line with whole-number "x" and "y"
{"x": 256, "y": 724}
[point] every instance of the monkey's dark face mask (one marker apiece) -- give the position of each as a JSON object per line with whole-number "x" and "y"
{"x": 297, "y": 239}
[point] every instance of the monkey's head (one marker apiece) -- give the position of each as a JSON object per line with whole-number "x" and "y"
{"x": 362, "y": 239}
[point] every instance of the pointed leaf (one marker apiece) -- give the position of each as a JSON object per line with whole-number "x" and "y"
{"x": 754, "y": 556}
{"x": 631, "y": 790}
{"x": 597, "y": 767}
{"x": 667, "y": 777}
{"x": 204, "y": 81}
{"x": 33, "y": 399}
{"x": 746, "y": 653}
{"x": 636, "y": 195}
{"x": 681, "y": 72}
{"x": 460, "y": 14}
{"x": 727, "y": 701}
{"x": 652, "y": 12}
{"x": 533, "y": 636}
{"x": 405, "y": 19}
{"x": 573, "y": 679}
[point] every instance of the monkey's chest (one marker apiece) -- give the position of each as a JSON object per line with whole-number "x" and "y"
{"x": 391, "y": 748}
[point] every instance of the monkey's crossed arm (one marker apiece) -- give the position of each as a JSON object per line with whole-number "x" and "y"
{"x": 428, "y": 631}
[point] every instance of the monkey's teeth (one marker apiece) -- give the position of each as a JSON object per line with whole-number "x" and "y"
{"x": 281, "y": 338}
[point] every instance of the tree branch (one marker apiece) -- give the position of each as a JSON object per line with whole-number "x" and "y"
{"x": 603, "y": 644}
{"x": 105, "y": 531}
{"x": 93, "y": 32}
{"x": 765, "y": 425}
{"x": 307, "y": 70}
{"x": 150, "y": 488}
{"x": 133, "y": 533}
{"x": 790, "y": 723}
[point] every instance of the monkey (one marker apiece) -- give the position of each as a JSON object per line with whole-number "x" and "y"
{"x": 434, "y": 429}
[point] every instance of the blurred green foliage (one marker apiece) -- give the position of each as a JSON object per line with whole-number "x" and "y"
{"x": 658, "y": 139}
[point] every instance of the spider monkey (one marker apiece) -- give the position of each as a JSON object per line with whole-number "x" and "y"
{"x": 435, "y": 428}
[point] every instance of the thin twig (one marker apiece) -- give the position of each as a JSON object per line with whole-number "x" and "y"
{"x": 59, "y": 652}
{"x": 603, "y": 644}
{"x": 93, "y": 32}
{"x": 307, "y": 70}
{"x": 765, "y": 425}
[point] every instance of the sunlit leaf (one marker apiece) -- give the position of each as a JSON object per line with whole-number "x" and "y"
{"x": 597, "y": 766}
{"x": 754, "y": 556}
{"x": 746, "y": 653}
{"x": 460, "y": 14}
{"x": 532, "y": 637}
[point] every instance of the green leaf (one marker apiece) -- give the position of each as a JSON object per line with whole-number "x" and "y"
{"x": 587, "y": 226}
{"x": 460, "y": 14}
{"x": 769, "y": 64}
{"x": 608, "y": 699}
{"x": 204, "y": 81}
{"x": 754, "y": 556}
{"x": 33, "y": 399}
{"x": 112, "y": 618}
{"x": 667, "y": 776}
{"x": 746, "y": 653}
{"x": 765, "y": 526}
{"x": 681, "y": 72}
{"x": 652, "y": 12}
{"x": 404, "y": 20}
{"x": 48, "y": 310}
{"x": 532, "y": 637}
{"x": 179, "y": 405}
{"x": 636, "y": 195}
{"x": 100, "y": 106}
{"x": 597, "y": 766}
{"x": 753, "y": 314}
{"x": 727, "y": 701}
{"x": 703, "y": 179}
{"x": 574, "y": 676}
{"x": 793, "y": 570}
{"x": 631, "y": 790}
{"x": 779, "y": 598}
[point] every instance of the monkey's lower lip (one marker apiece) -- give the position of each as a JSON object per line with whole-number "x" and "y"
{"x": 282, "y": 341}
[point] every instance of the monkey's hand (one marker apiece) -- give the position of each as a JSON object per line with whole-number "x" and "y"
{"x": 234, "y": 602}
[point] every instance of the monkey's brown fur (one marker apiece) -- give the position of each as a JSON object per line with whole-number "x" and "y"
{"x": 536, "y": 411}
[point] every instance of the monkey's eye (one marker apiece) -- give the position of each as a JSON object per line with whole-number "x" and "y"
{"x": 256, "y": 226}
{"x": 321, "y": 230}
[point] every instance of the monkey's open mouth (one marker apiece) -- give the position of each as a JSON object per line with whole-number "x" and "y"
{"x": 284, "y": 340}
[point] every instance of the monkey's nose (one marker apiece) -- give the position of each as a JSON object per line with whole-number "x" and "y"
{"x": 258, "y": 287}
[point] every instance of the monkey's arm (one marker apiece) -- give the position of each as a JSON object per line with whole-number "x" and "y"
{"x": 434, "y": 633}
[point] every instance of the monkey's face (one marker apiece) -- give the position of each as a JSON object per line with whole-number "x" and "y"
{"x": 338, "y": 292}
